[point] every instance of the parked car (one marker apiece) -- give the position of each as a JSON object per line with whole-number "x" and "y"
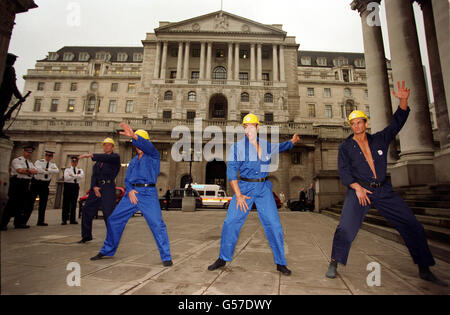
{"x": 176, "y": 197}
{"x": 277, "y": 201}
{"x": 120, "y": 192}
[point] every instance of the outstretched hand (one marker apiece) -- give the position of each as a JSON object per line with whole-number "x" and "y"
{"x": 128, "y": 131}
{"x": 402, "y": 94}
{"x": 295, "y": 138}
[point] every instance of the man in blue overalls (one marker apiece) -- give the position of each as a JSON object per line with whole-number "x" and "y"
{"x": 362, "y": 163}
{"x": 251, "y": 157}
{"x": 103, "y": 187}
{"x": 142, "y": 195}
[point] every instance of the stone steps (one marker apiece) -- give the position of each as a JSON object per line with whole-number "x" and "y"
{"x": 440, "y": 249}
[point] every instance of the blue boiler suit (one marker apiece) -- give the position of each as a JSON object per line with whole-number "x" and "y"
{"x": 244, "y": 159}
{"x": 106, "y": 168}
{"x": 143, "y": 171}
{"x": 353, "y": 167}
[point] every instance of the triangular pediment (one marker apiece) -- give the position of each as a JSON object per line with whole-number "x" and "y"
{"x": 220, "y": 22}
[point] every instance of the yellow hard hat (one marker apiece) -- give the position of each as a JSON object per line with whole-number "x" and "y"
{"x": 143, "y": 134}
{"x": 250, "y": 119}
{"x": 109, "y": 140}
{"x": 357, "y": 114}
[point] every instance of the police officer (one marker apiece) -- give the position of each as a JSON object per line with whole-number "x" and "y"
{"x": 251, "y": 157}
{"x": 103, "y": 187}
{"x": 18, "y": 205}
{"x": 362, "y": 163}
{"x": 72, "y": 177}
{"x": 142, "y": 195}
{"x": 39, "y": 184}
{"x": 8, "y": 88}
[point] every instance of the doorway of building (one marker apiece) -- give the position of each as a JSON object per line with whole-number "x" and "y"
{"x": 216, "y": 173}
{"x": 218, "y": 107}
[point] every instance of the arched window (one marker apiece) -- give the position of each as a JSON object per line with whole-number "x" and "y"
{"x": 245, "y": 97}
{"x": 91, "y": 104}
{"x": 220, "y": 73}
{"x": 268, "y": 98}
{"x": 349, "y": 108}
{"x": 94, "y": 86}
{"x": 168, "y": 96}
{"x": 192, "y": 96}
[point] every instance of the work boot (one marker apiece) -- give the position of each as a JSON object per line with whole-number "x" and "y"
{"x": 22, "y": 226}
{"x": 426, "y": 274}
{"x": 332, "y": 270}
{"x": 284, "y": 270}
{"x": 42, "y": 224}
{"x": 64, "y": 223}
{"x": 85, "y": 240}
{"x": 73, "y": 222}
{"x": 98, "y": 256}
{"x": 167, "y": 263}
{"x": 219, "y": 263}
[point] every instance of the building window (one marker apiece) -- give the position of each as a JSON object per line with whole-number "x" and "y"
{"x": 195, "y": 75}
{"x": 57, "y": 86}
{"x": 327, "y": 92}
{"x": 121, "y": 57}
{"x": 243, "y": 54}
{"x": 341, "y": 61}
{"x": 83, "y": 56}
{"x": 268, "y": 98}
{"x": 68, "y": 56}
{"x": 54, "y": 105}
{"x": 192, "y": 96}
{"x": 265, "y": 54}
{"x": 296, "y": 158}
{"x": 265, "y": 77}
{"x": 53, "y": 56}
{"x": 349, "y": 108}
{"x": 268, "y": 117}
{"x": 71, "y": 105}
{"x": 190, "y": 115}
{"x": 112, "y": 106}
{"x": 174, "y": 52}
{"x": 243, "y": 114}
{"x": 311, "y": 111}
{"x": 91, "y": 104}
{"x": 245, "y": 97}
{"x": 328, "y": 111}
{"x": 347, "y": 92}
{"x": 97, "y": 68}
{"x": 243, "y": 76}
{"x": 73, "y": 87}
{"x": 321, "y": 61}
{"x": 220, "y": 53}
{"x": 40, "y": 86}
{"x": 37, "y": 105}
{"x": 94, "y": 86}
{"x": 195, "y": 52}
{"x": 311, "y": 92}
{"x": 168, "y": 96}
{"x": 129, "y": 106}
{"x": 219, "y": 73}
{"x": 346, "y": 75}
{"x": 131, "y": 88}
{"x": 360, "y": 63}
{"x": 114, "y": 87}
{"x": 323, "y": 75}
{"x": 305, "y": 61}
{"x": 167, "y": 114}
{"x": 366, "y": 93}
{"x": 173, "y": 74}
{"x": 137, "y": 57}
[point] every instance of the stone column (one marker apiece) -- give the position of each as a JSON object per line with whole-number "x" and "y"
{"x": 416, "y": 159}
{"x": 186, "y": 61}
{"x": 180, "y": 60}
{"x": 377, "y": 75}
{"x": 259, "y": 63}
{"x": 164, "y": 61}
{"x": 440, "y": 102}
{"x": 202, "y": 60}
{"x": 236, "y": 61}
{"x": 282, "y": 68}
{"x": 252, "y": 62}
{"x": 230, "y": 61}
{"x": 275, "y": 63}
{"x": 208, "y": 62}
{"x": 157, "y": 60}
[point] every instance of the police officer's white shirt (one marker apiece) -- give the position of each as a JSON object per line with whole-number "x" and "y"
{"x": 21, "y": 163}
{"x": 75, "y": 176}
{"x": 41, "y": 166}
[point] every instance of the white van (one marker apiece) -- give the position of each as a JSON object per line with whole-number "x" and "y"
{"x": 212, "y": 195}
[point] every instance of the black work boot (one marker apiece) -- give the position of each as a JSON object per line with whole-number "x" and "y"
{"x": 332, "y": 270}
{"x": 284, "y": 270}
{"x": 217, "y": 264}
{"x": 167, "y": 263}
{"x": 426, "y": 274}
{"x": 85, "y": 240}
{"x": 98, "y": 256}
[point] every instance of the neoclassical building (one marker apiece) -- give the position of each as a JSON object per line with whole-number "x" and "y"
{"x": 217, "y": 67}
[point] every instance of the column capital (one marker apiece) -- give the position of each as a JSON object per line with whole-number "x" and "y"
{"x": 361, "y": 5}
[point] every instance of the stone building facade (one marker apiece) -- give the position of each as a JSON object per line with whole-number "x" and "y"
{"x": 217, "y": 67}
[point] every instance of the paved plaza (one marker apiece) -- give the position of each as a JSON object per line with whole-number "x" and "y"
{"x": 34, "y": 261}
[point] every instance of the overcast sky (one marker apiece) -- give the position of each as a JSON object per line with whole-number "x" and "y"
{"x": 327, "y": 25}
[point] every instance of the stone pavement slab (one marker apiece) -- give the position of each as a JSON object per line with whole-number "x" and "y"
{"x": 34, "y": 261}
